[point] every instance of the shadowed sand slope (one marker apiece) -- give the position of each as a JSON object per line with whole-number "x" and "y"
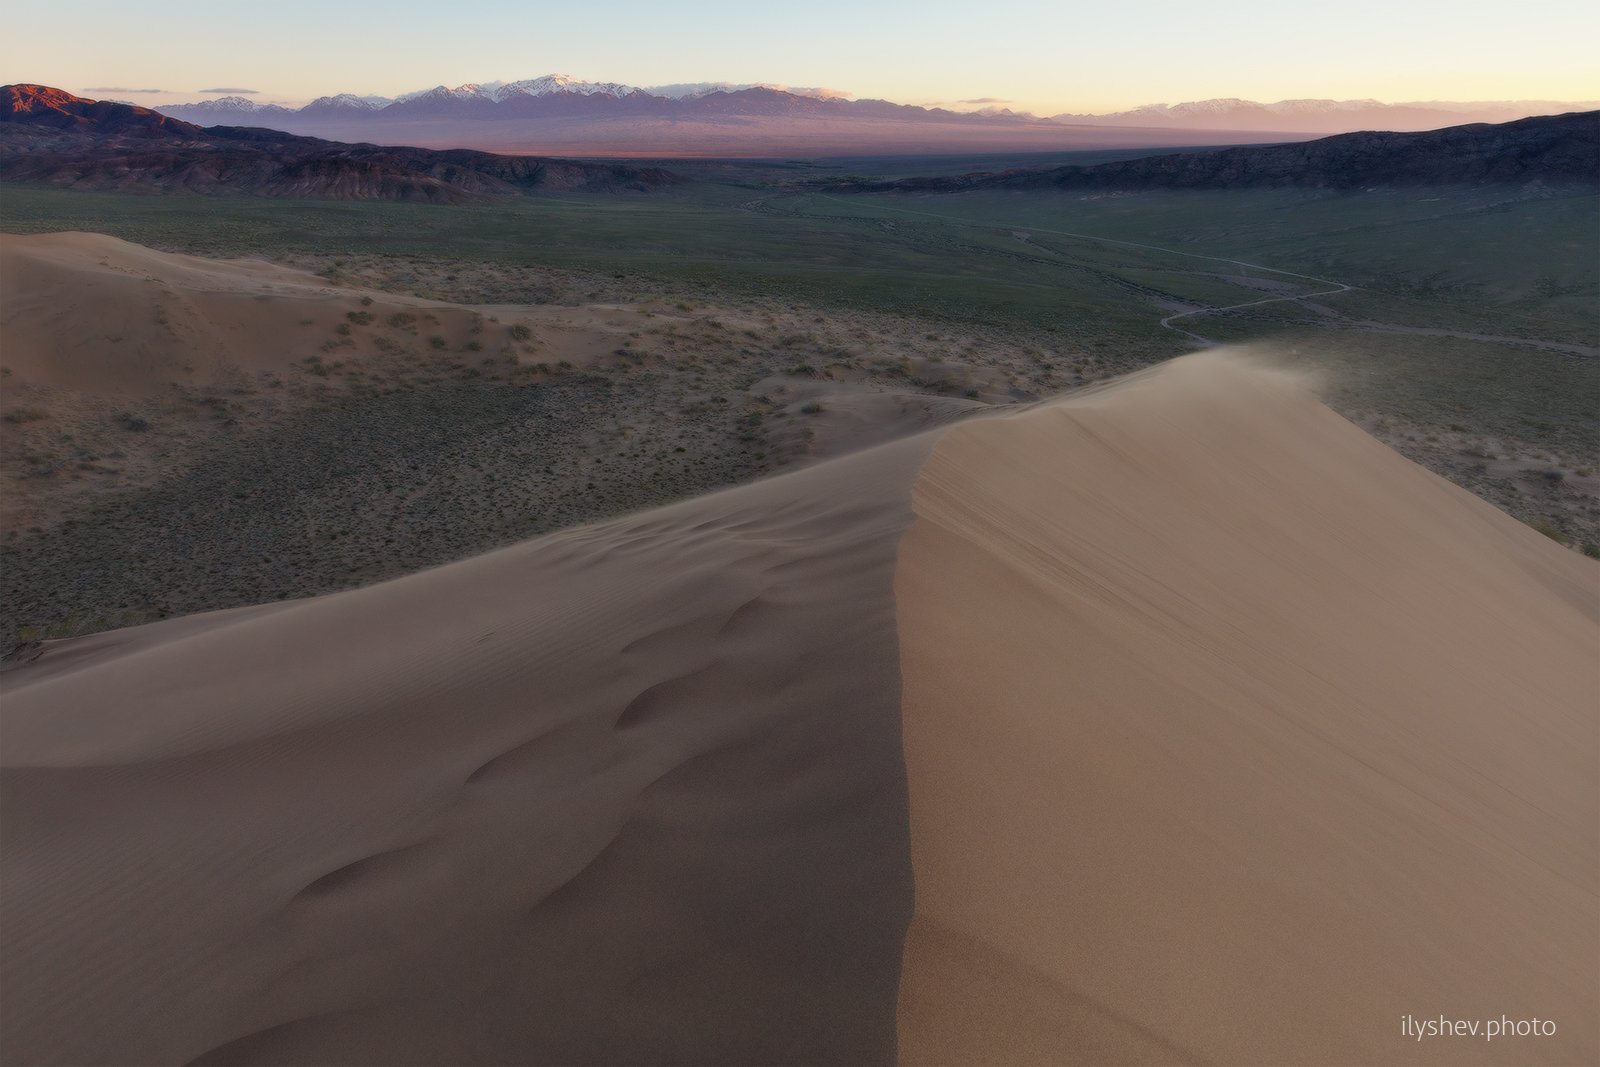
{"x": 1228, "y": 736}
{"x": 627, "y": 793}
{"x": 1233, "y": 737}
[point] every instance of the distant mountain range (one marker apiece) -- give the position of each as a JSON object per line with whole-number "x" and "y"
{"x": 559, "y": 113}
{"x": 1557, "y": 150}
{"x": 1328, "y": 116}
{"x": 47, "y": 135}
{"x": 562, "y": 115}
{"x": 51, "y": 136}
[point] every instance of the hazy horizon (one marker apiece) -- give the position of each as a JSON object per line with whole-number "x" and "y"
{"x": 1024, "y": 56}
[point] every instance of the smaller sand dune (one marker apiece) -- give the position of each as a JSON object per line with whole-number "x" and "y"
{"x": 92, "y": 313}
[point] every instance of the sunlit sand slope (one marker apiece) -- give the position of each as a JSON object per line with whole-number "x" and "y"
{"x": 1233, "y": 737}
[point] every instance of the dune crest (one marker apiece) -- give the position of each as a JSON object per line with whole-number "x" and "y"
{"x": 1204, "y": 728}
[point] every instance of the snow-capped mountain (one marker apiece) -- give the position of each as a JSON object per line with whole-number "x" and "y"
{"x": 231, "y": 111}
{"x": 563, "y": 114}
{"x": 692, "y": 90}
{"x": 498, "y": 92}
{"x": 349, "y": 100}
{"x": 557, "y": 83}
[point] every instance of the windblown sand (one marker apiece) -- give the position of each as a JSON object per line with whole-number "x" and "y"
{"x": 1176, "y": 721}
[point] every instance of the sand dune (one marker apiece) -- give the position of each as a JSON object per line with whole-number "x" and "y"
{"x": 90, "y": 312}
{"x": 629, "y": 793}
{"x": 1202, "y": 727}
{"x": 1233, "y": 738}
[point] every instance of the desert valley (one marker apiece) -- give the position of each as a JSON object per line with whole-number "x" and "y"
{"x": 808, "y": 580}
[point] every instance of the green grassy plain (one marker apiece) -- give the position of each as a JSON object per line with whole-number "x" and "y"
{"x": 1467, "y": 338}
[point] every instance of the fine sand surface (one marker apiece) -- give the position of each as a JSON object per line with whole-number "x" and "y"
{"x": 1233, "y": 738}
{"x": 1197, "y": 725}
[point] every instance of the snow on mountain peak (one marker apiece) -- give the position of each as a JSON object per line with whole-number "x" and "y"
{"x": 233, "y": 103}
{"x": 361, "y": 103}
{"x": 562, "y": 83}
{"x": 499, "y": 91}
{"x": 695, "y": 90}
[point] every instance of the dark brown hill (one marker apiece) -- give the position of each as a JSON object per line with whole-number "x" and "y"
{"x": 51, "y": 136}
{"x": 57, "y": 109}
{"x": 1563, "y": 149}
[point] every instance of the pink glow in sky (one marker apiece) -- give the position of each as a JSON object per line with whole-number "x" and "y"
{"x": 1043, "y": 57}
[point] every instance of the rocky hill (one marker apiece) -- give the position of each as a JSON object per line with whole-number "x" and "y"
{"x": 51, "y": 136}
{"x": 1558, "y": 149}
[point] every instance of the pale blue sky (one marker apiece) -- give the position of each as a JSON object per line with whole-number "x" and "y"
{"x": 1045, "y": 57}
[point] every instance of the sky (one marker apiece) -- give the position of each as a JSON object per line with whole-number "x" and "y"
{"x": 1041, "y": 56}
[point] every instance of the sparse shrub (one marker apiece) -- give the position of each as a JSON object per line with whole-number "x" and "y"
{"x": 135, "y": 423}
{"x": 812, "y": 408}
{"x": 17, "y": 416}
{"x": 1591, "y": 550}
{"x": 519, "y": 332}
{"x": 400, "y": 320}
{"x": 360, "y": 318}
{"x": 437, "y": 342}
{"x": 1551, "y": 530}
{"x": 366, "y": 301}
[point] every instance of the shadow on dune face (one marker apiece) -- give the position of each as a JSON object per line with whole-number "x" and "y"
{"x": 632, "y": 793}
